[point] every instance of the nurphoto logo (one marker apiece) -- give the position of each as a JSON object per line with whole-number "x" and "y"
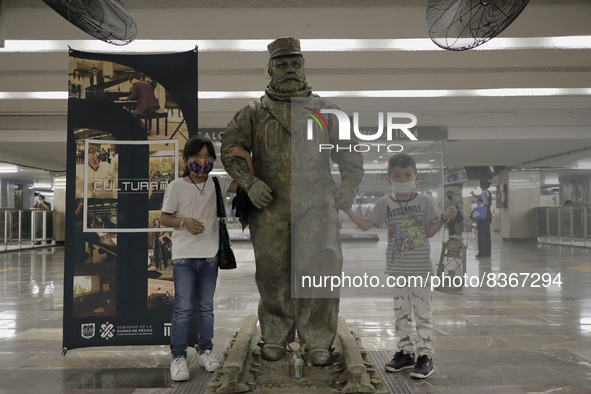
{"x": 394, "y": 130}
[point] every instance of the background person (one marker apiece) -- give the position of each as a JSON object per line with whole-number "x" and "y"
{"x": 76, "y": 82}
{"x": 113, "y": 174}
{"x": 452, "y": 225}
{"x": 143, "y": 92}
{"x": 42, "y": 204}
{"x": 161, "y": 241}
{"x": 96, "y": 78}
{"x": 484, "y": 239}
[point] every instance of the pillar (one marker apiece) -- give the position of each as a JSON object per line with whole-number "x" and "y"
{"x": 519, "y": 220}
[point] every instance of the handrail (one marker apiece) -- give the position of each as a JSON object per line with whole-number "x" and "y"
{"x": 25, "y": 229}
{"x": 565, "y": 225}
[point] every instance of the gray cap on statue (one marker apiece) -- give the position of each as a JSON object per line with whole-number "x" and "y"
{"x": 285, "y": 46}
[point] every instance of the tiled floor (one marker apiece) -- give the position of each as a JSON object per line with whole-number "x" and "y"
{"x": 490, "y": 340}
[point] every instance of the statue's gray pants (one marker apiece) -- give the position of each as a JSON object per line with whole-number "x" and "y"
{"x": 317, "y": 251}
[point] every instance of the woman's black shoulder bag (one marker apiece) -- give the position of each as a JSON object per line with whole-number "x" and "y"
{"x": 226, "y": 259}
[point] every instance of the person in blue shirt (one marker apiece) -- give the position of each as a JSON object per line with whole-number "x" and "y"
{"x": 484, "y": 241}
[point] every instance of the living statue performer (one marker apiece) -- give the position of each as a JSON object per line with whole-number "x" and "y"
{"x": 299, "y": 210}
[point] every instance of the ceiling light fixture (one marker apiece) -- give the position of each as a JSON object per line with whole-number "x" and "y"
{"x": 8, "y": 169}
{"x": 308, "y": 45}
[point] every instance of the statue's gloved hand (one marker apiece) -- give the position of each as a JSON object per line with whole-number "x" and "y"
{"x": 260, "y": 194}
{"x": 344, "y": 198}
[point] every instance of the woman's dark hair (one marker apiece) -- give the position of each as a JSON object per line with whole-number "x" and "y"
{"x": 154, "y": 221}
{"x": 401, "y": 160}
{"x": 484, "y": 184}
{"x": 193, "y": 147}
{"x": 79, "y": 76}
{"x": 133, "y": 76}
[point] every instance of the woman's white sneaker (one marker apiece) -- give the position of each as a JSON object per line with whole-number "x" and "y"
{"x": 208, "y": 361}
{"x": 178, "y": 370}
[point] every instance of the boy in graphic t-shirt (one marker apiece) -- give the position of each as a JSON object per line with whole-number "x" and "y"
{"x": 411, "y": 219}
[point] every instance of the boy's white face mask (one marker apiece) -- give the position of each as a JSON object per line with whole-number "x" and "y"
{"x": 403, "y": 187}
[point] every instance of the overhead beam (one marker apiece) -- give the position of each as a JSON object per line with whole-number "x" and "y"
{"x": 2, "y": 23}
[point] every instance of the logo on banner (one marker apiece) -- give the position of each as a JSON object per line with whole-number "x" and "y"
{"x": 130, "y": 186}
{"x": 167, "y": 329}
{"x": 107, "y": 330}
{"x": 87, "y": 330}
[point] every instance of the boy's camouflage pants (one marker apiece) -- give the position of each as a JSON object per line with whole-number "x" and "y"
{"x": 409, "y": 302}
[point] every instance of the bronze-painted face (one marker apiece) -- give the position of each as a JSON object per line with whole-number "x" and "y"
{"x": 287, "y": 74}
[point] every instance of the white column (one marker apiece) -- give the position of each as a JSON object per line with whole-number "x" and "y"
{"x": 518, "y": 220}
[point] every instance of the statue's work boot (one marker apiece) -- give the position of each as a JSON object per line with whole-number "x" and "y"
{"x": 273, "y": 352}
{"x": 320, "y": 356}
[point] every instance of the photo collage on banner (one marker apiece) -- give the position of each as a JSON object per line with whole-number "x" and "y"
{"x": 160, "y": 285}
{"x": 95, "y": 251}
{"x": 126, "y": 137}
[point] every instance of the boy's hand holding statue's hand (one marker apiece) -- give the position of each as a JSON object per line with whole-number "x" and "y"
{"x": 194, "y": 226}
{"x": 260, "y": 194}
{"x": 450, "y": 213}
{"x": 344, "y": 198}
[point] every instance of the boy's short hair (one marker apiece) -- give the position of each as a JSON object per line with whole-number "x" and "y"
{"x": 401, "y": 160}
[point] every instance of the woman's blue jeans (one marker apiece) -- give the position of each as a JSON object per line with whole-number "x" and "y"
{"x": 194, "y": 287}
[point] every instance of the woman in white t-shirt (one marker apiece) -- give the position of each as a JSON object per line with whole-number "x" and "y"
{"x": 190, "y": 207}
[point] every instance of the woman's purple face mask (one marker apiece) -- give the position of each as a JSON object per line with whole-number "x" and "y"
{"x": 200, "y": 167}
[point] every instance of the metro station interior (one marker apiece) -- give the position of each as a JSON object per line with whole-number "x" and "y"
{"x": 514, "y": 111}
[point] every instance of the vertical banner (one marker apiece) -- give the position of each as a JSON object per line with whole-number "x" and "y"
{"x": 129, "y": 117}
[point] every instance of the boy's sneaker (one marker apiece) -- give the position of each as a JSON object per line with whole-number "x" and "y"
{"x": 400, "y": 361}
{"x": 423, "y": 368}
{"x": 178, "y": 370}
{"x": 208, "y": 361}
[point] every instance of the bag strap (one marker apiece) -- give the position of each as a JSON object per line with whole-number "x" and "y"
{"x": 220, "y": 201}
